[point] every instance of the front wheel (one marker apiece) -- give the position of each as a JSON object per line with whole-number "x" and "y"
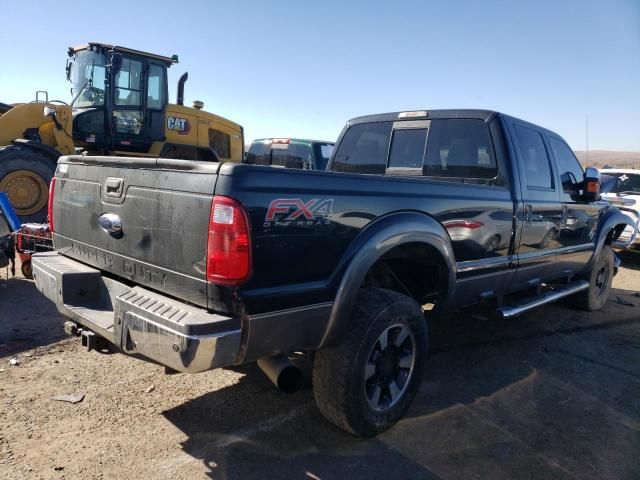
{"x": 600, "y": 279}
{"x": 24, "y": 176}
{"x": 367, "y": 383}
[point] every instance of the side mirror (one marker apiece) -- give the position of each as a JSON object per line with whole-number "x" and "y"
{"x": 591, "y": 185}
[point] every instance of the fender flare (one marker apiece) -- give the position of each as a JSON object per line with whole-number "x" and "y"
{"x": 612, "y": 220}
{"x": 373, "y": 242}
{"x": 50, "y": 152}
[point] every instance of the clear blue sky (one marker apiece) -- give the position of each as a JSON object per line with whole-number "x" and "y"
{"x": 296, "y": 68}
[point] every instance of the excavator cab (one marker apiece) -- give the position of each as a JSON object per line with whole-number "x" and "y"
{"x": 120, "y": 98}
{"x": 120, "y": 106}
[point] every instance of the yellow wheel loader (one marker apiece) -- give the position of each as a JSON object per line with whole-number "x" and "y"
{"x": 120, "y": 107}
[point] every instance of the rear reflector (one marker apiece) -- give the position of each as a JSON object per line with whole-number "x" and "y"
{"x": 52, "y": 187}
{"x": 229, "y": 243}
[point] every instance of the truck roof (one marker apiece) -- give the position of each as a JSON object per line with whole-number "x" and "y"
{"x": 424, "y": 114}
{"x": 131, "y": 51}
{"x": 295, "y": 140}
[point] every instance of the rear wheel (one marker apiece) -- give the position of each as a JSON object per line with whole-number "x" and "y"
{"x": 24, "y": 177}
{"x": 367, "y": 383}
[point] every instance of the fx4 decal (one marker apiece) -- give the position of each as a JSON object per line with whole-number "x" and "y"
{"x": 297, "y": 212}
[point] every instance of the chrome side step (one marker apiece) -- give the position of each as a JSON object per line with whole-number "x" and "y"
{"x": 511, "y": 311}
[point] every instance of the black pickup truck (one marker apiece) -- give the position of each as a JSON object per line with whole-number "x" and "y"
{"x": 203, "y": 265}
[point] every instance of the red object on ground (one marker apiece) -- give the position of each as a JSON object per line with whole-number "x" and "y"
{"x": 32, "y": 238}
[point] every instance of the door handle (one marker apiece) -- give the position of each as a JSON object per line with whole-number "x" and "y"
{"x": 563, "y": 218}
{"x": 113, "y": 187}
{"x": 528, "y": 213}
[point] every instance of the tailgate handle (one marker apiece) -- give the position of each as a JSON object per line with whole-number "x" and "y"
{"x": 113, "y": 187}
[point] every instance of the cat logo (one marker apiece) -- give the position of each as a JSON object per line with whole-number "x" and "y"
{"x": 178, "y": 124}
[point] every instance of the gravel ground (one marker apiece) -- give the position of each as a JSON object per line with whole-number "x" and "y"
{"x": 552, "y": 394}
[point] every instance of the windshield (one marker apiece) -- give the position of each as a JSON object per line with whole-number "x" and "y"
{"x": 627, "y": 182}
{"x": 88, "y": 69}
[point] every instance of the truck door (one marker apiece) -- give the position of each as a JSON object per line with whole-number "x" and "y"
{"x": 139, "y": 103}
{"x": 539, "y": 214}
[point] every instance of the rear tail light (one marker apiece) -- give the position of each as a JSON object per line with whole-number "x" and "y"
{"x": 52, "y": 187}
{"x": 229, "y": 243}
{"x": 470, "y": 224}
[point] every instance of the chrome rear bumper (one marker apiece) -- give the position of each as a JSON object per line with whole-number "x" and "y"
{"x": 136, "y": 320}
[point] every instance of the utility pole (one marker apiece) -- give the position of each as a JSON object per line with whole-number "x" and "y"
{"x": 586, "y": 121}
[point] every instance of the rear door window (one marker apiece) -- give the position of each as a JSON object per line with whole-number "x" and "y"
{"x": 460, "y": 148}
{"x": 537, "y": 168}
{"x": 363, "y": 149}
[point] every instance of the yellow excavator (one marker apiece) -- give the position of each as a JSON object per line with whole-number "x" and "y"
{"x": 120, "y": 106}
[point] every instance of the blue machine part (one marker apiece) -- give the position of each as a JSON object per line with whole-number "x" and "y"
{"x": 9, "y": 212}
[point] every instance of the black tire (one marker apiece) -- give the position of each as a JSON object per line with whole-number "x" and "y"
{"x": 341, "y": 389}
{"x": 599, "y": 278}
{"x": 14, "y": 158}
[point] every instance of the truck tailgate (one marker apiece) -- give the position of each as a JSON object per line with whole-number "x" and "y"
{"x": 163, "y": 207}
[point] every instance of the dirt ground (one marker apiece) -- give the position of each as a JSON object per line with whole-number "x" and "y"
{"x": 552, "y": 394}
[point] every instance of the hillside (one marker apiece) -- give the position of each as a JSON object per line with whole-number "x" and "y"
{"x": 613, "y": 158}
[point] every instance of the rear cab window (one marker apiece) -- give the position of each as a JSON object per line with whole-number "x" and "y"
{"x": 283, "y": 152}
{"x": 363, "y": 149}
{"x": 408, "y": 145}
{"x": 259, "y": 154}
{"x": 447, "y": 149}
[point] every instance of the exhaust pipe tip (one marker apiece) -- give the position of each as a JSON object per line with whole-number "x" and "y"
{"x": 283, "y": 374}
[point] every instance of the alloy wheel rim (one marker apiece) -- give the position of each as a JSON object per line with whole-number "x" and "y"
{"x": 389, "y": 368}
{"x": 602, "y": 278}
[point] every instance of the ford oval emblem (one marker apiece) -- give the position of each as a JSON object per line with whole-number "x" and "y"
{"x": 111, "y": 223}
